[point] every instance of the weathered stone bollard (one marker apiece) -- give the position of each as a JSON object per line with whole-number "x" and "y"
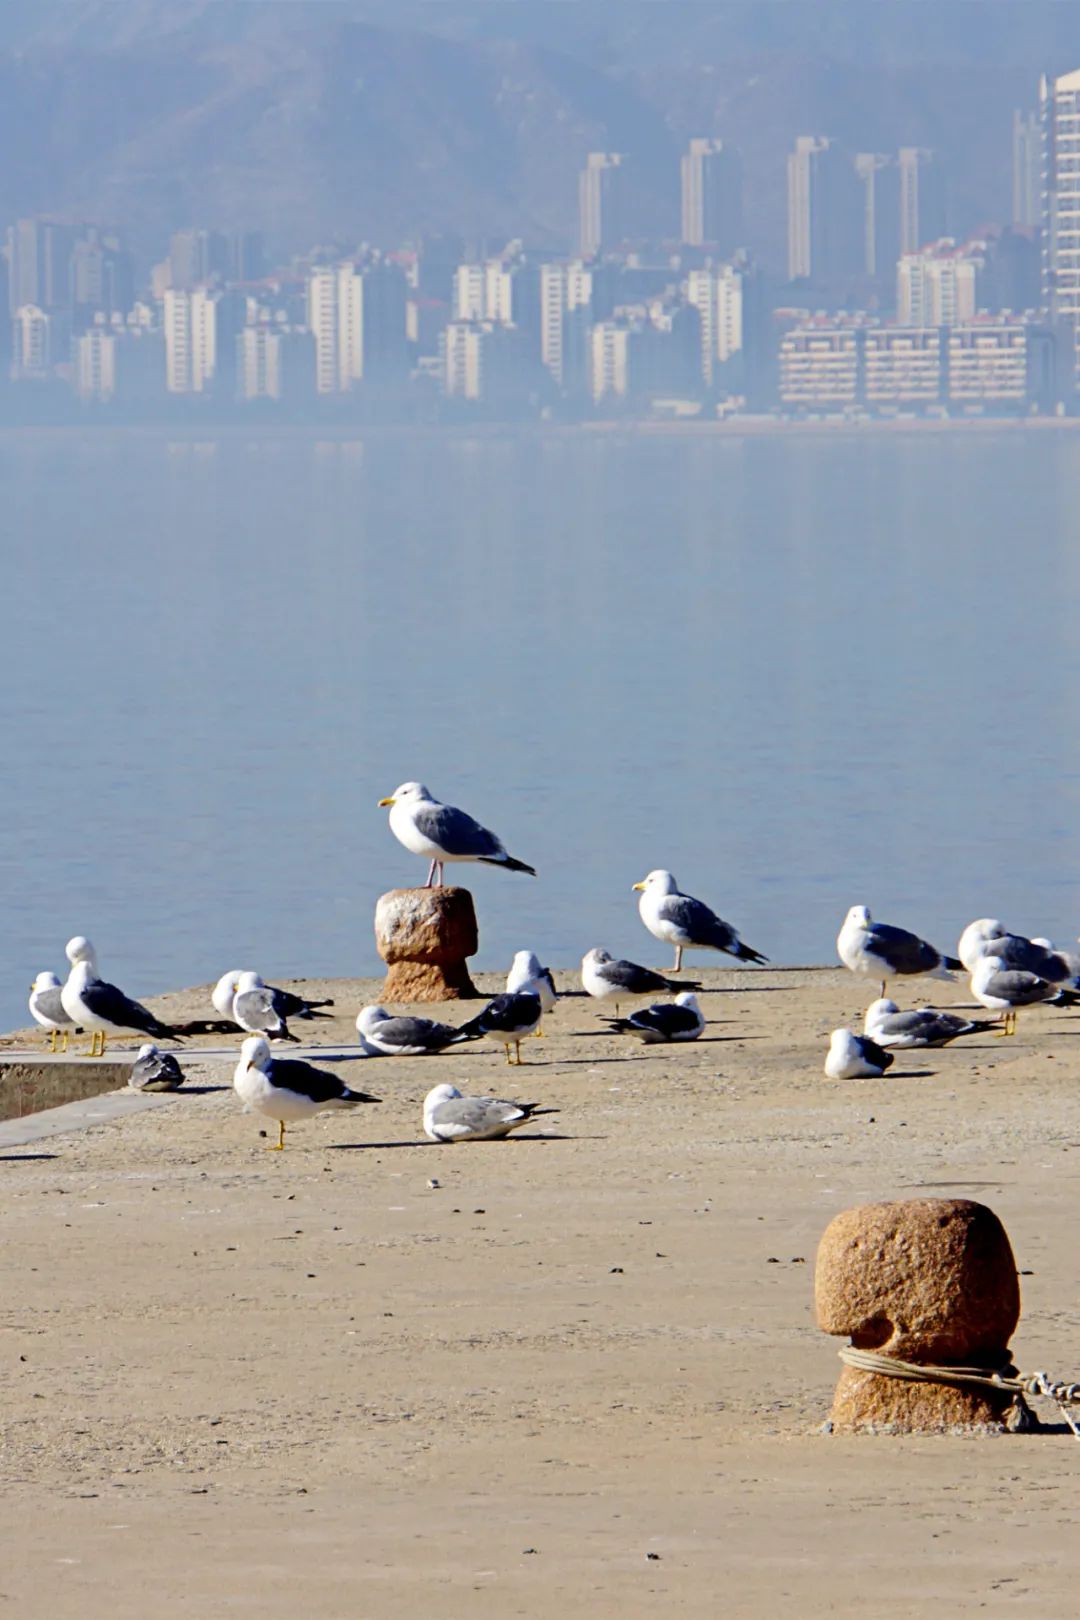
{"x": 424, "y": 936}
{"x": 928, "y": 1280}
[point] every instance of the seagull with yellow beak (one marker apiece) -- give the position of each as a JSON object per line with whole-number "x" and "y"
{"x": 442, "y": 833}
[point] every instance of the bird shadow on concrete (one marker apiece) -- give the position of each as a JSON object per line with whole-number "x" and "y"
{"x": 910, "y": 1074}
{"x": 14, "y": 1158}
{"x": 199, "y": 1091}
{"x": 385, "y": 1147}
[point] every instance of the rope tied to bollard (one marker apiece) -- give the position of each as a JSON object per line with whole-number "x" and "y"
{"x": 1006, "y": 1379}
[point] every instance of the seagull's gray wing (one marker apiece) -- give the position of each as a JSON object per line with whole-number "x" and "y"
{"x": 457, "y": 833}
{"x": 159, "y": 1071}
{"x": 700, "y": 925}
{"x": 478, "y": 1116}
{"x": 1019, "y": 989}
{"x": 111, "y": 1005}
{"x": 426, "y": 1032}
{"x": 904, "y": 952}
{"x": 49, "y": 1004}
{"x": 634, "y": 980}
{"x": 256, "y": 1009}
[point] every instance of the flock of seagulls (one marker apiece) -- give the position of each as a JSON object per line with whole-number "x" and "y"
{"x": 1008, "y": 973}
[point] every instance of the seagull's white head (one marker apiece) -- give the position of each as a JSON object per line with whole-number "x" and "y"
{"x": 526, "y": 964}
{"x": 368, "y": 1019}
{"x": 222, "y": 993}
{"x": 975, "y": 939}
{"x": 409, "y": 793}
{"x": 46, "y": 981}
{"x": 687, "y": 998}
{"x": 255, "y": 1053}
{"x": 858, "y": 917}
{"x": 80, "y": 949}
{"x": 596, "y": 957}
{"x": 842, "y": 1044}
{"x": 658, "y": 882}
{"x": 248, "y": 981}
{"x": 147, "y": 1051}
{"x": 437, "y": 1095}
{"x": 884, "y": 1008}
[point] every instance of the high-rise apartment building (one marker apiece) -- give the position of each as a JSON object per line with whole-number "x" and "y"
{"x": 939, "y": 286}
{"x": 1026, "y": 170}
{"x": 191, "y": 347}
{"x": 566, "y": 292}
{"x": 922, "y": 198}
{"x": 196, "y": 257}
{"x": 716, "y": 294}
{"x": 1059, "y": 101}
{"x": 602, "y": 213}
{"x": 824, "y": 237}
{"x": 712, "y": 196}
{"x": 34, "y": 346}
{"x": 39, "y": 264}
{"x": 879, "y": 179}
{"x": 357, "y": 315}
{"x": 611, "y": 344}
{"x": 94, "y": 364}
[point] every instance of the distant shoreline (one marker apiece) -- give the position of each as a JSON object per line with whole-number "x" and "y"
{"x": 732, "y": 429}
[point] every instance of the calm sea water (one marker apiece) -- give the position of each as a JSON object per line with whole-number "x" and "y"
{"x": 801, "y": 673}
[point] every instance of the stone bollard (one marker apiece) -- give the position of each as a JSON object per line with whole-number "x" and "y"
{"x": 424, "y": 936}
{"x": 930, "y": 1280}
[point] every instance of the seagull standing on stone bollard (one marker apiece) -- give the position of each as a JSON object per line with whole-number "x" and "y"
{"x": 442, "y": 833}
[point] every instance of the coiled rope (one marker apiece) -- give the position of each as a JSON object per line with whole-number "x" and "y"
{"x": 1005, "y": 1379}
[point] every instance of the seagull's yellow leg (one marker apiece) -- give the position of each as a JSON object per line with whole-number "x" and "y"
{"x": 279, "y": 1145}
{"x": 65, "y": 1035}
{"x": 95, "y": 1035}
{"x": 517, "y": 1047}
{"x": 52, "y": 1040}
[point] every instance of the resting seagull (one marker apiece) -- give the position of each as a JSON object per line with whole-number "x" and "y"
{"x": 102, "y": 1008}
{"x": 687, "y": 923}
{"x": 602, "y": 976}
{"x": 888, "y": 1026}
{"x": 989, "y": 937}
{"x": 253, "y": 1009}
{"x": 406, "y": 1037}
{"x": 865, "y": 946}
{"x": 509, "y": 1019}
{"x": 285, "y": 1003}
{"x": 678, "y": 1020}
{"x": 450, "y": 1117}
{"x": 442, "y": 833}
{"x": 855, "y": 1057}
{"x": 286, "y": 1089}
{"x": 47, "y": 1009}
{"x": 154, "y": 1070}
{"x": 999, "y": 988}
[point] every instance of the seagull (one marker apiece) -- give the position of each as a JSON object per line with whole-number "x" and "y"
{"x": 154, "y": 1070}
{"x": 509, "y": 1019}
{"x": 102, "y": 1008}
{"x": 406, "y": 1037}
{"x": 253, "y": 1009}
{"x": 888, "y": 1026}
{"x": 989, "y": 937}
{"x": 855, "y": 1057}
{"x": 442, "y": 833}
{"x": 286, "y": 1089}
{"x": 527, "y": 974}
{"x": 999, "y": 988}
{"x": 678, "y": 1020}
{"x": 687, "y": 923}
{"x": 450, "y": 1117}
{"x": 286, "y": 1004}
{"x": 47, "y": 1009}
{"x": 865, "y": 946}
{"x": 602, "y": 976}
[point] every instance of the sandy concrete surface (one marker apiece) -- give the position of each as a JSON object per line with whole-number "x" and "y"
{"x": 579, "y": 1377}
